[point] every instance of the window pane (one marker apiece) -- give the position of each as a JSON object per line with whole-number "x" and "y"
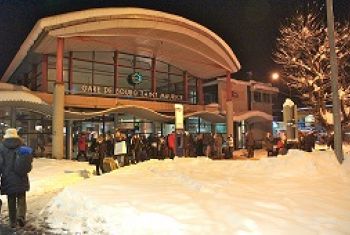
{"x": 103, "y": 74}
{"x": 175, "y": 70}
{"x": 104, "y": 57}
{"x": 143, "y": 63}
{"x": 125, "y": 60}
{"x": 257, "y": 96}
{"x": 161, "y": 66}
{"x": 83, "y": 55}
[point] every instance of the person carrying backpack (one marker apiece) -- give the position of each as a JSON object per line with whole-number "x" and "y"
{"x": 15, "y": 164}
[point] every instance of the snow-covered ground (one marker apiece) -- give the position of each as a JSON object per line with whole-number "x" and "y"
{"x": 300, "y": 193}
{"x": 47, "y": 179}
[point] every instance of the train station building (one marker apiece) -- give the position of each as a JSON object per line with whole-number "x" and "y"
{"x": 126, "y": 68}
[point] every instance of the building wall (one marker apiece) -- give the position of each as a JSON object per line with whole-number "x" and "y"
{"x": 239, "y": 96}
{"x": 264, "y": 107}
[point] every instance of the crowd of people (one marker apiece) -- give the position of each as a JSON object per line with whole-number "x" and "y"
{"x": 306, "y": 141}
{"x": 138, "y": 148}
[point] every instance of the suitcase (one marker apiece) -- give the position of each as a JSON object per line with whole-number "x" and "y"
{"x": 109, "y": 164}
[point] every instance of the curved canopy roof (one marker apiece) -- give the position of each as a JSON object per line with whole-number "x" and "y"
{"x": 24, "y": 99}
{"x": 212, "y": 117}
{"x": 138, "y": 111}
{"x": 252, "y": 115}
{"x": 170, "y": 38}
{"x": 11, "y": 87}
{"x": 27, "y": 100}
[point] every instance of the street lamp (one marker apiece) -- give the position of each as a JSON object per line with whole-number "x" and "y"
{"x": 276, "y": 77}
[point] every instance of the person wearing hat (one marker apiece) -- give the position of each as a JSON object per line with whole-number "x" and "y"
{"x": 15, "y": 164}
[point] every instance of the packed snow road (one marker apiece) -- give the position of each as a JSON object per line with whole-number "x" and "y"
{"x": 305, "y": 193}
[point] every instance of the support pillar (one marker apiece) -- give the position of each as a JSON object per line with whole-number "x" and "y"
{"x": 185, "y": 86}
{"x": 154, "y": 129}
{"x": 32, "y": 135}
{"x": 115, "y": 121}
{"x": 200, "y": 94}
{"x": 70, "y": 72}
{"x": 58, "y": 104}
{"x": 26, "y": 80}
{"x": 115, "y": 71}
{"x": 153, "y": 76}
{"x": 104, "y": 126}
{"x": 44, "y": 73}
{"x": 212, "y": 128}
{"x": 13, "y": 117}
{"x": 69, "y": 140}
{"x": 33, "y": 79}
{"x": 229, "y": 118}
{"x": 229, "y": 106}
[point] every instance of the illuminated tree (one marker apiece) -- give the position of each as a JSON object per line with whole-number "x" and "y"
{"x": 303, "y": 52}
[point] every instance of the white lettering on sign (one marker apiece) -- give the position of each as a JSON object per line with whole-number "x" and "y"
{"x": 124, "y": 92}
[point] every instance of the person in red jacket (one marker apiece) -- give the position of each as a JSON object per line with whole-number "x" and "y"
{"x": 82, "y": 146}
{"x": 171, "y": 144}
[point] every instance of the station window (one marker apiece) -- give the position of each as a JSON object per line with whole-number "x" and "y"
{"x": 257, "y": 96}
{"x": 266, "y": 98}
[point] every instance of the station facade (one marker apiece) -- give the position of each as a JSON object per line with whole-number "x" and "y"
{"x": 129, "y": 67}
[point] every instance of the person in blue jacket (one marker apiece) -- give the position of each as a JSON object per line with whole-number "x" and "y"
{"x": 15, "y": 164}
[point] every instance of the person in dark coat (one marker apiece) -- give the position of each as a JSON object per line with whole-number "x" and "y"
{"x": 110, "y": 145}
{"x": 250, "y": 142}
{"x": 268, "y": 144}
{"x": 199, "y": 145}
{"x": 101, "y": 154}
{"x": 14, "y": 184}
{"x": 187, "y": 144}
{"x": 310, "y": 140}
{"x": 136, "y": 146}
{"x": 330, "y": 141}
{"x": 93, "y": 151}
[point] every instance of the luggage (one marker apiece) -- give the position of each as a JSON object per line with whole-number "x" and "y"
{"x": 109, "y": 164}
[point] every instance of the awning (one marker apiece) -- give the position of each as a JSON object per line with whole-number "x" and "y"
{"x": 11, "y": 87}
{"x": 213, "y": 117}
{"x": 25, "y": 100}
{"x": 137, "y": 111}
{"x": 252, "y": 115}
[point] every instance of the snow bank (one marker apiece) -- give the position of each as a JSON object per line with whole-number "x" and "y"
{"x": 307, "y": 193}
{"x": 51, "y": 174}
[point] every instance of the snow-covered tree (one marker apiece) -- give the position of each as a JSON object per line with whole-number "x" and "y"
{"x": 303, "y": 52}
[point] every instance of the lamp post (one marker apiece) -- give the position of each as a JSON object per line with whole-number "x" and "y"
{"x": 338, "y": 143}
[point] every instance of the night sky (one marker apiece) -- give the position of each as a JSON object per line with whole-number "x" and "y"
{"x": 250, "y": 27}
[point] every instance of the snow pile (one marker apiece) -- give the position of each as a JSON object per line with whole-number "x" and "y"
{"x": 307, "y": 193}
{"x": 51, "y": 175}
